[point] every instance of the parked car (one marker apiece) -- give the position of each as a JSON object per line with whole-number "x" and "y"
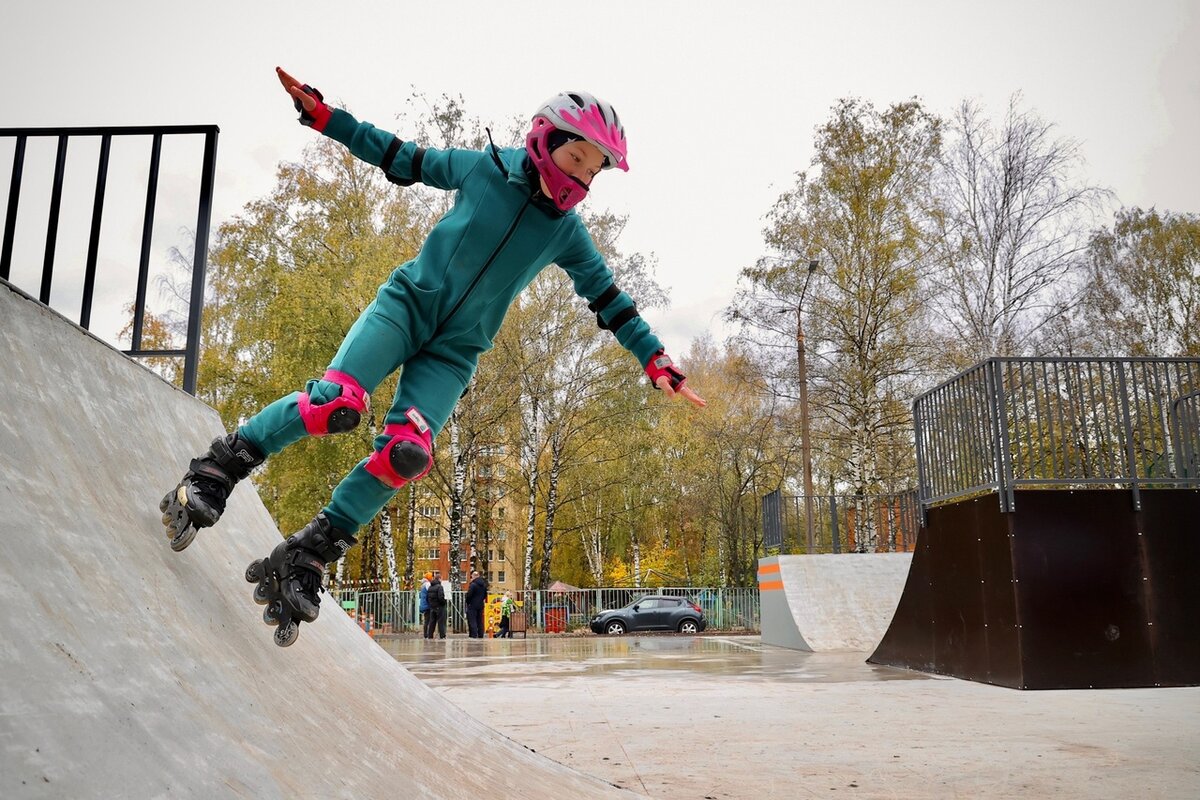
{"x": 651, "y": 613}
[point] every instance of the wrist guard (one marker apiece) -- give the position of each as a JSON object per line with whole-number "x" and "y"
{"x": 660, "y": 365}
{"x": 318, "y": 118}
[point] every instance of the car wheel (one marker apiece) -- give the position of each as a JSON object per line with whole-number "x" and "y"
{"x": 689, "y": 626}
{"x": 614, "y": 628}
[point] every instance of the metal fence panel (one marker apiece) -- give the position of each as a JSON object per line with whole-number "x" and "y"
{"x": 726, "y": 609}
{"x": 1058, "y": 423}
{"x": 844, "y": 523}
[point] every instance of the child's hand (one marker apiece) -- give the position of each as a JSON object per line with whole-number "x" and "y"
{"x": 308, "y": 101}
{"x": 296, "y": 90}
{"x": 666, "y": 377}
{"x": 664, "y": 383}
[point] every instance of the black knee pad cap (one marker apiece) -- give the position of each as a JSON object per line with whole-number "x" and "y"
{"x": 409, "y": 459}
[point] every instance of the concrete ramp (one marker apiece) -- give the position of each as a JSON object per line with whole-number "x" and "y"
{"x": 830, "y": 602}
{"x": 127, "y": 670}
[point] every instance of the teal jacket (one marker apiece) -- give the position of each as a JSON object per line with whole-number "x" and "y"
{"x": 492, "y": 243}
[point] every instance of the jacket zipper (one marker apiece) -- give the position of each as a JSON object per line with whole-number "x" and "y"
{"x": 479, "y": 276}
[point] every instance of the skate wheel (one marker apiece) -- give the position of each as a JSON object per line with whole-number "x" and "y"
{"x": 166, "y": 501}
{"x": 262, "y": 593}
{"x": 273, "y": 612}
{"x": 255, "y": 572}
{"x": 182, "y": 539}
{"x": 285, "y": 635}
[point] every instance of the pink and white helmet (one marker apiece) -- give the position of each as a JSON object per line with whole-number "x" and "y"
{"x": 593, "y": 119}
{"x": 583, "y": 115}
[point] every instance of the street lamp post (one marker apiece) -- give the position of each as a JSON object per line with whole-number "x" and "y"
{"x": 805, "y": 433}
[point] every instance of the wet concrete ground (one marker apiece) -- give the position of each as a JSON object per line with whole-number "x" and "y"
{"x": 728, "y": 717}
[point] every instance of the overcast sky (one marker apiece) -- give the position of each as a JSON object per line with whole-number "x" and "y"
{"x": 719, "y": 100}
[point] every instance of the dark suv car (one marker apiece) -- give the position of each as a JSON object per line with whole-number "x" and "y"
{"x": 652, "y": 613}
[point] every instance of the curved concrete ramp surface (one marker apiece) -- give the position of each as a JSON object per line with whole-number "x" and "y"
{"x": 130, "y": 671}
{"x": 830, "y": 602}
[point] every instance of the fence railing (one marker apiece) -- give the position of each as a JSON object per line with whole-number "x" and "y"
{"x": 725, "y": 609}
{"x": 1059, "y": 423}
{"x": 842, "y": 523}
{"x": 190, "y": 352}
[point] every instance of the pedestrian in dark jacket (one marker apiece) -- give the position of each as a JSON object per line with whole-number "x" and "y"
{"x": 476, "y": 600}
{"x": 438, "y": 597}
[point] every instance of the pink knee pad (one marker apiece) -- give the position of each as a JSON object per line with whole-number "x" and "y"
{"x": 342, "y": 413}
{"x": 408, "y": 456}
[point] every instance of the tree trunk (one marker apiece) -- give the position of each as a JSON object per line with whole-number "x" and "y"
{"x": 389, "y": 547}
{"x": 531, "y": 457}
{"x": 410, "y": 538}
{"x": 556, "y": 445}
{"x": 456, "y": 505}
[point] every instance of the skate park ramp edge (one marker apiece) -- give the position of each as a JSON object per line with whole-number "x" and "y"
{"x": 128, "y": 670}
{"x": 828, "y": 602}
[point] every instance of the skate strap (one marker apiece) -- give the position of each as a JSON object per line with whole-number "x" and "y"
{"x": 211, "y": 471}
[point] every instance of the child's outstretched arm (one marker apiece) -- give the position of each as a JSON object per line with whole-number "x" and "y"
{"x": 403, "y": 163}
{"x": 617, "y": 312}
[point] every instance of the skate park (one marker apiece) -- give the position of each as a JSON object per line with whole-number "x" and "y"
{"x": 163, "y": 682}
{"x": 970, "y": 665}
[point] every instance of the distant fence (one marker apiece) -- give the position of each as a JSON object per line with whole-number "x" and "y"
{"x": 841, "y": 523}
{"x": 155, "y": 133}
{"x": 1012, "y": 423}
{"x": 735, "y": 609}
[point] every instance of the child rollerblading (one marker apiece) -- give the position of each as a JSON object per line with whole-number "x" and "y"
{"x": 432, "y": 319}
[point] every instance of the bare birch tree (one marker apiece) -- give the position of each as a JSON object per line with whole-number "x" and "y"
{"x": 1012, "y": 222}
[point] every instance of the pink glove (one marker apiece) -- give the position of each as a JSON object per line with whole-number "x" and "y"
{"x": 661, "y": 365}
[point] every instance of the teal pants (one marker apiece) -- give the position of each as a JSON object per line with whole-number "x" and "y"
{"x": 393, "y": 332}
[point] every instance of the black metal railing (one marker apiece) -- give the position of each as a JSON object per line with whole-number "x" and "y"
{"x": 1011, "y": 423}
{"x": 190, "y": 352}
{"x": 847, "y": 523}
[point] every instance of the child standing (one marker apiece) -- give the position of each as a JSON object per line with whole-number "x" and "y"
{"x": 433, "y": 318}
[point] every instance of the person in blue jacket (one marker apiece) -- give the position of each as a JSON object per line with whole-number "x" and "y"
{"x": 513, "y": 215}
{"x": 423, "y": 603}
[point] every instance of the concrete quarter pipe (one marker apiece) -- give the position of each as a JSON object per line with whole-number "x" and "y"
{"x": 131, "y": 671}
{"x": 825, "y": 602}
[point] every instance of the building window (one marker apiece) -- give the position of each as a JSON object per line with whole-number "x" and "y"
{"x": 432, "y": 512}
{"x": 500, "y": 512}
{"x": 430, "y": 554}
{"x": 491, "y": 578}
{"x": 427, "y": 532}
{"x": 501, "y": 553}
{"x": 491, "y": 555}
{"x": 501, "y": 576}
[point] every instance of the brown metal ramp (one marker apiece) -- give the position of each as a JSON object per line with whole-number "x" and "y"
{"x": 1073, "y": 589}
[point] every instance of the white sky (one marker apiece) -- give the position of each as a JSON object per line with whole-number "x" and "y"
{"x": 719, "y": 99}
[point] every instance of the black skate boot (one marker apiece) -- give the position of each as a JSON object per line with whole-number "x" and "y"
{"x": 289, "y": 580}
{"x": 199, "y": 499}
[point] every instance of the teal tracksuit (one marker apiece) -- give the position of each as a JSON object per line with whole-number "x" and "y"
{"x": 436, "y": 314}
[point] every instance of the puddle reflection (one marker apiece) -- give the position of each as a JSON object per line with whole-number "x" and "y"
{"x": 729, "y": 657}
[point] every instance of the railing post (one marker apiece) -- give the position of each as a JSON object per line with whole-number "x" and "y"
{"x": 89, "y": 275}
{"x": 1127, "y": 423}
{"x": 10, "y": 218}
{"x": 191, "y": 357}
{"x": 60, "y": 164}
{"x": 918, "y": 409}
{"x": 139, "y": 309}
{"x": 999, "y": 432}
